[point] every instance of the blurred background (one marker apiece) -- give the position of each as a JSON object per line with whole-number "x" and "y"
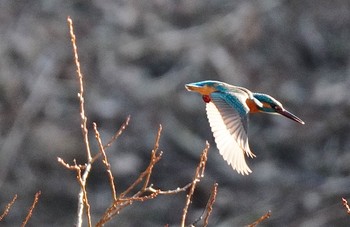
{"x": 136, "y": 57}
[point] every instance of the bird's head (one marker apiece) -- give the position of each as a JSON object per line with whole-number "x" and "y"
{"x": 271, "y": 105}
{"x": 207, "y": 87}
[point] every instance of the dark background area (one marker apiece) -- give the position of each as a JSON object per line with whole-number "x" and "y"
{"x": 136, "y": 57}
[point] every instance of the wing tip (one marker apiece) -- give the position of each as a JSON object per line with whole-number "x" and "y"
{"x": 245, "y": 171}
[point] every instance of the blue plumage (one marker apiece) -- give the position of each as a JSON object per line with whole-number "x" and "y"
{"x": 227, "y": 109}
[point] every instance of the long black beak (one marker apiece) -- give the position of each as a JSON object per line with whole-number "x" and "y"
{"x": 290, "y": 116}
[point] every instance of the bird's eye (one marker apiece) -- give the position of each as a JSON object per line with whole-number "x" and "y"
{"x": 276, "y": 107}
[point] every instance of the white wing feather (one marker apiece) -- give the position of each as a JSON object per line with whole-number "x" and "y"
{"x": 230, "y": 135}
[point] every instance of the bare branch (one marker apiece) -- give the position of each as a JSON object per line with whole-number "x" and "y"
{"x": 346, "y": 205}
{"x": 70, "y": 167}
{"x": 30, "y": 212}
{"x": 82, "y": 179}
{"x": 155, "y": 157}
{"x": 8, "y": 207}
{"x": 211, "y": 201}
{"x": 198, "y": 175}
{"x": 169, "y": 192}
{"x": 147, "y": 190}
{"x": 261, "y": 219}
{"x": 208, "y": 208}
{"x": 114, "y": 138}
{"x": 105, "y": 162}
{"x": 81, "y": 87}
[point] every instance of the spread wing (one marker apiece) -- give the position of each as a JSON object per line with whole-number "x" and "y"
{"x": 228, "y": 121}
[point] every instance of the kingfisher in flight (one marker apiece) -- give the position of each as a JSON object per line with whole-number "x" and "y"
{"x": 227, "y": 109}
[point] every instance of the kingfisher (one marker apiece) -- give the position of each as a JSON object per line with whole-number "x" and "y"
{"x": 227, "y": 108}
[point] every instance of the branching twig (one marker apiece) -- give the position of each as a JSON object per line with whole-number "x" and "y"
{"x": 211, "y": 201}
{"x": 126, "y": 198}
{"x": 115, "y": 136}
{"x": 123, "y": 201}
{"x": 30, "y": 212}
{"x": 83, "y": 200}
{"x": 8, "y": 207}
{"x": 262, "y": 218}
{"x": 198, "y": 175}
{"x": 147, "y": 190}
{"x": 106, "y": 162}
{"x": 346, "y": 205}
{"x": 155, "y": 157}
{"x": 208, "y": 208}
{"x": 81, "y": 89}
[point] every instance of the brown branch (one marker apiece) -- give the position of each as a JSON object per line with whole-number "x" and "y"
{"x": 211, "y": 201}
{"x": 147, "y": 190}
{"x": 169, "y": 192}
{"x": 123, "y": 201}
{"x": 8, "y": 207}
{"x": 105, "y": 162}
{"x": 83, "y": 197}
{"x": 155, "y": 157}
{"x": 198, "y": 175}
{"x": 208, "y": 208}
{"x": 81, "y": 88}
{"x": 261, "y": 219}
{"x": 70, "y": 167}
{"x": 30, "y": 212}
{"x": 346, "y": 205}
{"x": 83, "y": 200}
{"x": 115, "y": 137}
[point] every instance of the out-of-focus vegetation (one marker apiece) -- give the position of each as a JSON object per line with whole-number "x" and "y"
{"x": 136, "y": 57}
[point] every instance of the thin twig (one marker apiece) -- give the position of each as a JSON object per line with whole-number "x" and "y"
{"x": 30, "y": 212}
{"x": 123, "y": 201}
{"x": 81, "y": 89}
{"x": 346, "y": 205}
{"x": 70, "y": 167}
{"x": 8, "y": 207}
{"x": 155, "y": 157}
{"x": 198, "y": 175}
{"x": 106, "y": 162}
{"x": 208, "y": 208}
{"x": 169, "y": 192}
{"x": 115, "y": 137}
{"x": 82, "y": 201}
{"x": 261, "y": 219}
{"x": 211, "y": 201}
{"x": 147, "y": 190}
